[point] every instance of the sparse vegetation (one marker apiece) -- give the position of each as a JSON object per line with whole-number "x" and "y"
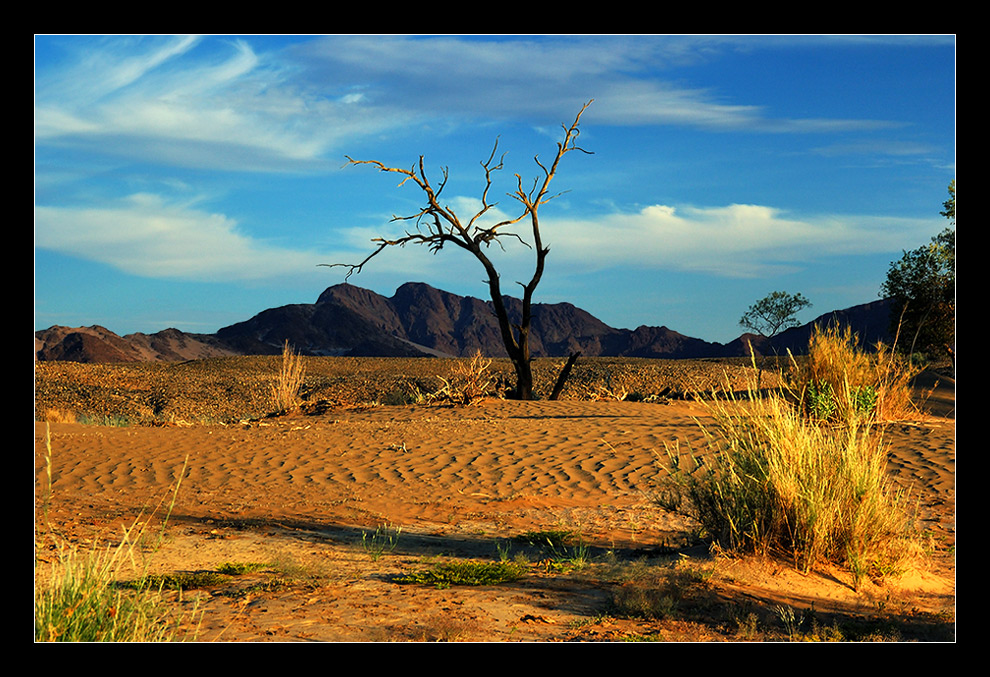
{"x": 597, "y": 591}
{"x": 781, "y": 480}
{"x": 447, "y": 574}
{"x": 560, "y": 549}
{"x": 654, "y": 591}
{"x": 383, "y": 540}
{"x": 80, "y": 599}
{"x": 233, "y": 389}
{"x": 241, "y": 568}
{"x": 188, "y": 580}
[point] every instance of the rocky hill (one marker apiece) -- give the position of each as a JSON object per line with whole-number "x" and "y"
{"x": 98, "y": 344}
{"x": 419, "y": 320}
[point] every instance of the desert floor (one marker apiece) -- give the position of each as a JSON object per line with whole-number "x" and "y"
{"x": 304, "y": 495}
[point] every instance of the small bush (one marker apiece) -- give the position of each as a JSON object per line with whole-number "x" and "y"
{"x": 467, "y": 383}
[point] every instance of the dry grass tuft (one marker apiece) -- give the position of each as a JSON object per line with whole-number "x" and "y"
{"x": 285, "y": 391}
{"x": 59, "y": 415}
{"x": 840, "y": 382}
{"x": 805, "y": 476}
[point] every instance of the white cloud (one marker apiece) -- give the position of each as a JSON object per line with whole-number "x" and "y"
{"x": 149, "y": 236}
{"x": 730, "y": 241}
{"x": 145, "y": 235}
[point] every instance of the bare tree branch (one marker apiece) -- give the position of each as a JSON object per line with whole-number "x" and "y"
{"x": 437, "y": 225}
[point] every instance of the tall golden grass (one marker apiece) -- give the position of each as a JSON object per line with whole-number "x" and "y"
{"x": 780, "y": 479}
{"x": 852, "y": 383}
{"x": 288, "y": 381}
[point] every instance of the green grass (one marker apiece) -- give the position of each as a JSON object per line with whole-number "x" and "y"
{"x": 191, "y": 580}
{"x": 384, "y": 539}
{"x": 79, "y": 599}
{"x": 241, "y": 568}
{"x": 448, "y": 574}
{"x": 82, "y": 600}
{"x": 83, "y": 604}
{"x": 562, "y": 549}
{"x": 553, "y": 538}
{"x": 838, "y": 382}
{"x": 181, "y": 581}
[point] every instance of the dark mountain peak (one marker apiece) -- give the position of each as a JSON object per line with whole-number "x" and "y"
{"x": 348, "y": 294}
{"x": 420, "y": 289}
{"x": 420, "y": 320}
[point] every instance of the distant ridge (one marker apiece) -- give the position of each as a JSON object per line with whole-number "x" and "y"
{"x": 422, "y": 321}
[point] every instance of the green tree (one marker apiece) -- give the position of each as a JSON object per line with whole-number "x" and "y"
{"x": 922, "y": 286}
{"x": 950, "y": 204}
{"x": 771, "y": 315}
{"x": 774, "y": 313}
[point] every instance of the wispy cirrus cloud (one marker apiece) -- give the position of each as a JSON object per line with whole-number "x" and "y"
{"x": 176, "y": 101}
{"x": 232, "y": 104}
{"x": 495, "y": 77}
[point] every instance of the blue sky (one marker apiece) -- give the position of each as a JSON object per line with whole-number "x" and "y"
{"x": 194, "y": 181}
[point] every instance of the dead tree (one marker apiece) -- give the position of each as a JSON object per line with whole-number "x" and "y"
{"x": 436, "y": 225}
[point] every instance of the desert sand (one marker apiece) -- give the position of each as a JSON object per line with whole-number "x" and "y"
{"x": 462, "y": 482}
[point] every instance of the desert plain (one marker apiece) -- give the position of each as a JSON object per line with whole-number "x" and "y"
{"x": 336, "y": 501}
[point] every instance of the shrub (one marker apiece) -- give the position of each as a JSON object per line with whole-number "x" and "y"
{"x": 840, "y": 382}
{"x": 804, "y": 473}
{"x": 469, "y": 382}
{"x": 777, "y": 482}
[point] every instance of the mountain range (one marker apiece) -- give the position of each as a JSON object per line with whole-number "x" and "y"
{"x": 418, "y": 321}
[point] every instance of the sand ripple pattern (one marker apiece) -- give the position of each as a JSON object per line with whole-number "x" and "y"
{"x": 423, "y": 462}
{"x": 497, "y": 461}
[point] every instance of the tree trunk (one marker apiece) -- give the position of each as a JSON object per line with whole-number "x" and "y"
{"x": 562, "y": 377}
{"x": 524, "y": 380}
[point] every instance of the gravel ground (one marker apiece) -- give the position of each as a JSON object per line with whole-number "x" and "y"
{"x": 232, "y": 389}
